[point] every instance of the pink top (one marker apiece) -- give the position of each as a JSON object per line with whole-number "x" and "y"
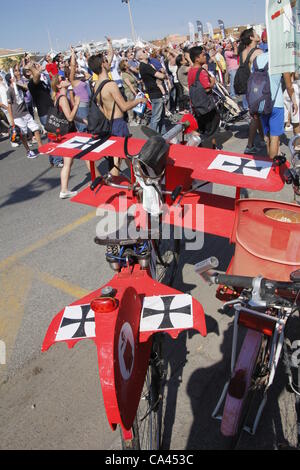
{"x": 231, "y": 60}
{"x": 82, "y": 91}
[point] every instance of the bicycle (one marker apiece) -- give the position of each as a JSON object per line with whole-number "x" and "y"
{"x": 292, "y": 175}
{"x": 263, "y": 305}
{"x": 128, "y": 317}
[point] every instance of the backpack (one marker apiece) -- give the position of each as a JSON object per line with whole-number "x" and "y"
{"x": 98, "y": 124}
{"x": 259, "y": 94}
{"x": 57, "y": 123}
{"x": 202, "y": 102}
{"x": 242, "y": 75}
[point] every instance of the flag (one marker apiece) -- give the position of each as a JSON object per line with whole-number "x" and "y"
{"x": 283, "y": 29}
{"x": 192, "y": 32}
{"x": 222, "y": 27}
{"x": 210, "y": 30}
{"x": 200, "y": 31}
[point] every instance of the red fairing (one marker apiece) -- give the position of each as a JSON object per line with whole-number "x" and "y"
{"x": 191, "y": 163}
{"x": 123, "y": 349}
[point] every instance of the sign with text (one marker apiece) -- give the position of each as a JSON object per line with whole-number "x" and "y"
{"x": 283, "y": 27}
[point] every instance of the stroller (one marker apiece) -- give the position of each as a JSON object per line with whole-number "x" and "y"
{"x": 228, "y": 109}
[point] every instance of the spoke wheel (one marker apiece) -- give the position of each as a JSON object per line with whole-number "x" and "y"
{"x": 147, "y": 427}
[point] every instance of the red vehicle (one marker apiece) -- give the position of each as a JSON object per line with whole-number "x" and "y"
{"x": 127, "y": 317}
{"x": 262, "y": 285}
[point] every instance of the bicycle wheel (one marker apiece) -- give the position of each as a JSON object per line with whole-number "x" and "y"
{"x": 167, "y": 256}
{"x": 248, "y": 369}
{"x": 148, "y": 421}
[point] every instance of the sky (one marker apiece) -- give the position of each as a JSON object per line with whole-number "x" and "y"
{"x": 72, "y": 21}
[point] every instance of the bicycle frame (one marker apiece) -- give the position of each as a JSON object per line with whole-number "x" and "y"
{"x": 246, "y": 362}
{"x": 274, "y": 257}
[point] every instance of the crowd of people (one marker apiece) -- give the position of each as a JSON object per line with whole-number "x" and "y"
{"x": 122, "y": 80}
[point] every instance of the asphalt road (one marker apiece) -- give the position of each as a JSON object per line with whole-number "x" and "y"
{"x": 47, "y": 261}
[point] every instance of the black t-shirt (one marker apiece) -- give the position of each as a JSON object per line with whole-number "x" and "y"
{"x": 147, "y": 73}
{"x": 41, "y": 96}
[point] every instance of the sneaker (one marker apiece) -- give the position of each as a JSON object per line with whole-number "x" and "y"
{"x": 31, "y": 155}
{"x": 251, "y": 150}
{"x": 68, "y": 194}
{"x": 288, "y": 128}
{"x": 59, "y": 165}
{"x": 14, "y": 144}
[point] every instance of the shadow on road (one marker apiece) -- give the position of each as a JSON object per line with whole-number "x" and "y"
{"x": 5, "y": 154}
{"x": 31, "y": 190}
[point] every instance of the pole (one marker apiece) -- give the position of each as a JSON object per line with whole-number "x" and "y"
{"x": 131, "y": 22}
{"x": 50, "y": 42}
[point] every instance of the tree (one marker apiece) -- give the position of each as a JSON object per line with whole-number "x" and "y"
{"x": 8, "y": 62}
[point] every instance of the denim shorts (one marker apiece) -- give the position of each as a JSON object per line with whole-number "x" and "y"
{"x": 273, "y": 123}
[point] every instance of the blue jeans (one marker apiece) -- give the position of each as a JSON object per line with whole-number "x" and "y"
{"x": 232, "y": 74}
{"x": 157, "y": 122}
{"x": 245, "y": 103}
{"x": 82, "y": 113}
{"x": 52, "y": 160}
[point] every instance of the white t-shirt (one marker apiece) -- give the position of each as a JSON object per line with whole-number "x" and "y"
{"x": 3, "y": 94}
{"x": 115, "y": 71}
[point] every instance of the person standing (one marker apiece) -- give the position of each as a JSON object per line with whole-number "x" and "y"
{"x": 18, "y": 113}
{"x": 81, "y": 88}
{"x": 183, "y": 70}
{"x": 111, "y": 101}
{"x": 130, "y": 88}
{"x": 40, "y": 92}
{"x": 149, "y": 76}
{"x": 231, "y": 57}
{"x": 208, "y": 123}
{"x": 248, "y": 48}
{"x": 60, "y": 89}
{"x": 51, "y": 66}
{"x": 4, "y": 116}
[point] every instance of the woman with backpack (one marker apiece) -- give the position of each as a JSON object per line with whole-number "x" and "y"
{"x": 248, "y": 51}
{"x": 60, "y": 87}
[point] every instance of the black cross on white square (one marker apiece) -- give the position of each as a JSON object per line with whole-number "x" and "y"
{"x": 83, "y": 143}
{"x": 167, "y": 312}
{"x": 242, "y": 166}
{"x": 77, "y": 322}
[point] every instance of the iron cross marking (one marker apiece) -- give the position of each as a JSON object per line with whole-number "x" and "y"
{"x": 240, "y": 168}
{"x": 80, "y": 145}
{"x": 166, "y": 321}
{"x": 80, "y": 333}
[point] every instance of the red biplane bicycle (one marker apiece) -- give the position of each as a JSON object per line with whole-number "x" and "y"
{"x": 262, "y": 285}
{"x": 126, "y": 317}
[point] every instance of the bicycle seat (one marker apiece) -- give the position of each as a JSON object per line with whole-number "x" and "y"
{"x": 267, "y": 238}
{"x": 126, "y": 235}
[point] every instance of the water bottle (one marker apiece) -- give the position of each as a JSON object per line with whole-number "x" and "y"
{"x": 140, "y": 108}
{"x": 193, "y": 140}
{"x": 13, "y": 134}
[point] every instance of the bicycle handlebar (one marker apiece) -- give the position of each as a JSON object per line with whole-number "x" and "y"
{"x": 268, "y": 286}
{"x": 261, "y": 287}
